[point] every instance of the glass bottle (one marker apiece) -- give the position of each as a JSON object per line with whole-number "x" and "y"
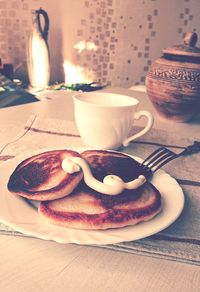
{"x": 38, "y": 61}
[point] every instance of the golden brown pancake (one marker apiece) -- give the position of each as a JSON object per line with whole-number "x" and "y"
{"x": 41, "y": 176}
{"x": 85, "y": 208}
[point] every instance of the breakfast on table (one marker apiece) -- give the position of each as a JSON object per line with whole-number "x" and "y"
{"x": 100, "y": 188}
{"x": 99, "y": 146}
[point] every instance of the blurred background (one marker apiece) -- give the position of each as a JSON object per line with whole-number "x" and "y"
{"x": 110, "y": 41}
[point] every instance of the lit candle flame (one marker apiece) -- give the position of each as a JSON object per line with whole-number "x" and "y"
{"x": 76, "y": 74}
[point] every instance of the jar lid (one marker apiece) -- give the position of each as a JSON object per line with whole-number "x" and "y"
{"x": 188, "y": 49}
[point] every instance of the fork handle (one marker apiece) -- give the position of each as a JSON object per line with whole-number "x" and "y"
{"x": 191, "y": 149}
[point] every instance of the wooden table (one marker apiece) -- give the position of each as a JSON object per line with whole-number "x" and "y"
{"x": 30, "y": 264}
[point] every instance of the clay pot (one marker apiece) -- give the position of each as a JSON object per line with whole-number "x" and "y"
{"x": 173, "y": 81}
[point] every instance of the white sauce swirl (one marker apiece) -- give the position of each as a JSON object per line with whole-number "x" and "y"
{"x": 111, "y": 185}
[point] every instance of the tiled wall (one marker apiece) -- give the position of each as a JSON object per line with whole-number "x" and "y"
{"x": 15, "y": 24}
{"x": 128, "y": 34}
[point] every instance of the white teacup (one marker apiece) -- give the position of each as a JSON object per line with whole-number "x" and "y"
{"x": 104, "y": 120}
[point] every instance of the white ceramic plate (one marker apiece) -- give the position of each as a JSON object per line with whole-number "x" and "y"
{"x": 17, "y": 213}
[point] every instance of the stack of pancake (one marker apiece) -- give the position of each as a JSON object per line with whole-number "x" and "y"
{"x": 66, "y": 200}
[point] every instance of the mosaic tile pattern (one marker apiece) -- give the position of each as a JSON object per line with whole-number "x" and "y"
{"x": 129, "y": 34}
{"x": 136, "y": 33}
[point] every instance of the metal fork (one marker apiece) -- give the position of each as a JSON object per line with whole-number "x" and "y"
{"x": 162, "y": 156}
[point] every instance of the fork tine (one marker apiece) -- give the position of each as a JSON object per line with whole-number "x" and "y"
{"x": 153, "y": 155}
{"x": 161, "y": 159}
{"x": 155, "y": 159}
{"x": 158, "y": 157}
{"x": 165, "y": 162}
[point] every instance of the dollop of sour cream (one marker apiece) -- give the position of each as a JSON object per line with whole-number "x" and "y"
{"x": 111, "y": 185}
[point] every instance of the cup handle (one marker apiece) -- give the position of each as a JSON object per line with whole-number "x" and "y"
{"x": 148, "y": 126}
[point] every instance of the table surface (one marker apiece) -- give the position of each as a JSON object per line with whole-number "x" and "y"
{"x": 29, "y": 264}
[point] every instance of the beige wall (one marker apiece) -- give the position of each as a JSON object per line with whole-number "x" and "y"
{"x": 128, "y": 34}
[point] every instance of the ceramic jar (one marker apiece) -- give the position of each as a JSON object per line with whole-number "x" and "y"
{"x": 173, "y": 81}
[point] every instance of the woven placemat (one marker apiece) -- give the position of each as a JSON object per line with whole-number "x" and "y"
{"x": 180, "y": 241}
